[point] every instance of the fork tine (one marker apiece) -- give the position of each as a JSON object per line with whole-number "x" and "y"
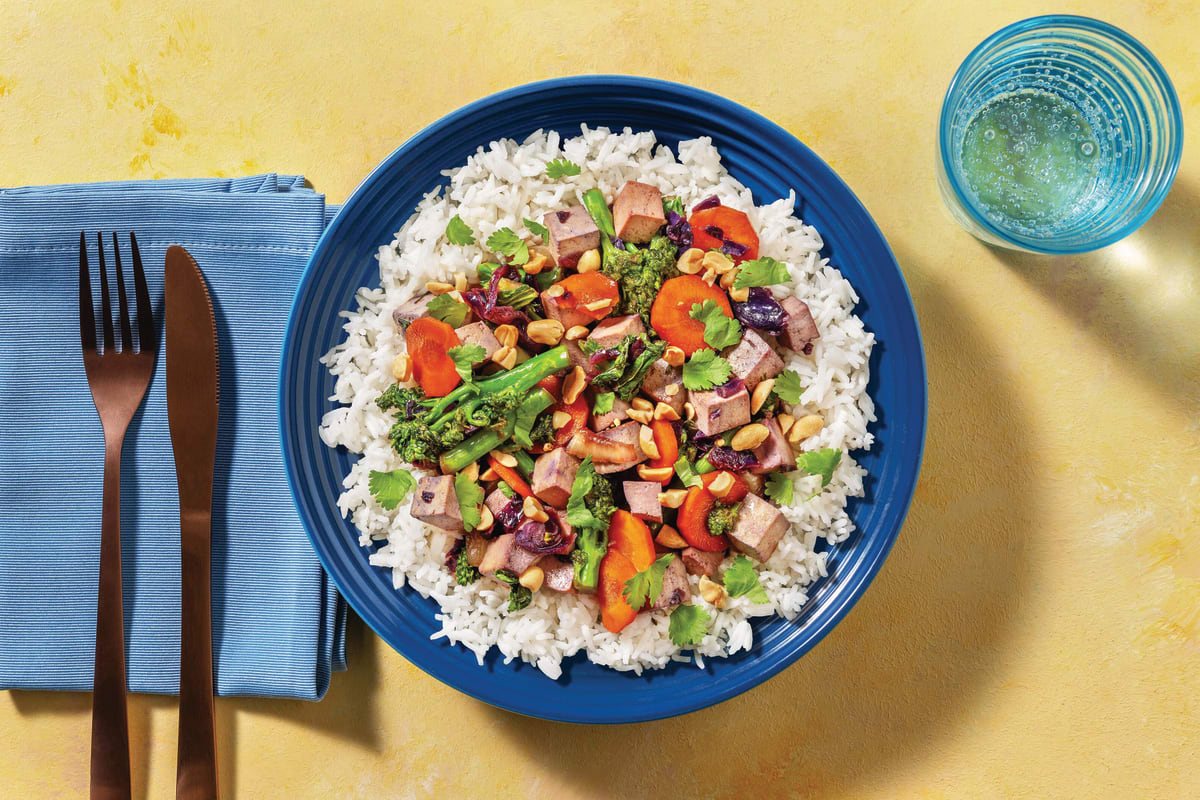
{"x": 145, "y": 316}
{"x": 105, "y": 306}
{"x": 87, "y": 312}
{"x": 122, "y": 302}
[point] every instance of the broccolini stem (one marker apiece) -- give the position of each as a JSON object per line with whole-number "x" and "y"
{"x": 524, "y": 463}
{"x": 704, "y": 465}
{"x": 480, "y": 443}
{"x": 522, "y": 378}
{"x": 593, "y": 201}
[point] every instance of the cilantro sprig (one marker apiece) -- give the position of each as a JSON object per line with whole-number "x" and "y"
{"x": 764, "y": 271}
{"x": 646, "y": 585}
{"x": 704, "y": 370}
{"x": 742, "y": 579}
{"x": 390, "y": 488}
{"x": 470, "y": 499}
{"x": 509, "y": 245}
{"x": 688, "y": 625}
{"x": 459, "y": 232}
{"x": 788, "y": 387}
{"x": 466, "y": 356}
{"x": 536, "y": 228}
{"x": 561, "y": 167}
{"x": 780, "y": 488}
{"x": 578, "y": 514}
{"x": 453, "y": 312}
{"x": 720, "y": 331}
{"x": 604, "y": 402}
{"x": 820, "y": 462}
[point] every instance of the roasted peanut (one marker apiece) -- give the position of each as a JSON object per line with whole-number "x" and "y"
{"x": 556, "y": 290}
{"x": 669, "y": 537}
{"x": 506, "y": 335}
{"x": 713, "y": 593}
{"x": 532, "y": 578}
{"x": 402, "y": 367}
{"x": 545, "y": 331}
{"x": 806, "y": 426}
{"x": 489, "y": 474}
{"x": 598, "y": 305}
{"x": 672, "y": 498}
{"x": 532, "y": 508}
{"x": 471, "y": 471}
{"x": 689, "y": 411}
{"x": 785, "y": 422}
{"x": 643, "y": 417}
{"x": 750, "y": 436}
{"x": 761, "y": 392}
{"x": 674, "y": 356}
{"x": 536, "y": 263}
{"x": 663, "y": 411}
{"x": 504, "y": 459}
{"x": 718, "y": 262}
{"x": 689, "y": 262}
{"x": 646, "y": 440}
{"x": 576, "y": 332}
{"x": 720, "y": 485}
{"x": 671, "y": 390}
{"x": 505, "y": 357}
{"x": 589, "y": 261}
{"x": 574, "y": 383}
{"x": 655, "y": 474}
{"x": 438, "y": 287}
{"x": 642, "y": 404}
{"x": 559, "y": 419}
{"x": 460, "y": 282}
{"x": 486, "y": 519}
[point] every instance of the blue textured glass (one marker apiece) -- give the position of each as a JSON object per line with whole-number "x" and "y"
{"x": 771, "y": 162}
{"x": 1114, "y": 83}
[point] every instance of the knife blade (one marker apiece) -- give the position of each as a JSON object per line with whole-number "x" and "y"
{"x": 192, "y": 408}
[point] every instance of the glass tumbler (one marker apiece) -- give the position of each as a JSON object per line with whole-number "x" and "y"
{"x": 1058, "y": 134}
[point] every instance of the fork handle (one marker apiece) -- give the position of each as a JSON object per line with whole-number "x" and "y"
{"x": 110, "y": 724}
{"x": 196, "y": 772}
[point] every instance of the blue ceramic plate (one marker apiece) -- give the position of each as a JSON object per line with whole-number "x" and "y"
{"x": 767, "y": 159}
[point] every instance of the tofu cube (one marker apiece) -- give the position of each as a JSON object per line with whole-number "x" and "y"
{"x": 503, "y": 552}
{"x": 753, "y": 360}
{"x": 715, "y": 414}
{"x": 572, "y": 233}
{"x": 675, "y": 587}
{"x": 800, "y": 330}
{"x": 624, "y": 434}
{"x": 579, "y": 358}
{"x": 436, "y": 504}
{"x": 659, "y": 377}
{"x": 638, "y": 212}
{"x": 758, "y": 528}
{"x": 642, "y": 499}
{"x": 611, "y": 332}
{"x": 563, "y": 310}
{"x": 559, "y": 575}
{"x": 620, "y": 411}
{"x": 774, "y": 453}
{"x": 701, "y": 562}
{"x": 479, "y": 333}
{"x": 553, "y": 474}
{"x": 409, "y": 312}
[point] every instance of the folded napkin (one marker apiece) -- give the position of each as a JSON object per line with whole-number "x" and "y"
{"x": 278, "y": 621}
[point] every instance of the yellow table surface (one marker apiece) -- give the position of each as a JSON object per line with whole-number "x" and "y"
{"x": 1035, "y": 632}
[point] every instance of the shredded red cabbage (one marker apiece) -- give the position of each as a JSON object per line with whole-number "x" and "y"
{"x": 732, "y": 460}
{"x": 607, "y": 354}
{"x": 761, "y": 311}
{"x": 679, "y": 231}
{"x": 511, "y": 515}
{"x": 731, "y": 248}
{"x": 452, "y": 555}
{"x": 714, "y": 231}
{"x": 730, "y": 388}
{"x": 545, "y": 537}
{"x": 709, "y": 202}
{"x": 617, "y": 242}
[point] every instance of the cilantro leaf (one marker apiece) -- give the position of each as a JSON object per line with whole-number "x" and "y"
{"x": 780, "y": 488}
{"x": 560, "y": 167}
{"x": 742, "y": 579}
{"x": 508, "y": 244}
{"x": 687, "y": 473}
{"x": 466, "y": 356}
{"x": 820, "y": 462}
{"x": 646, "y": 586}
{"x": 688, "y": 625}
{"x": 787, "y": 386}
{"x": 604, "y": 403}
{"x": 764, "y": 271}
{"x": 720, "y": 331}
{"x": 459, "y": 232}
{"x": 447, "y": 309}
{"x": 470, "y": 498}
{"x": 704, "y": 370}
{"x": 578, "y": 514}
{"x": 390, "y": 488}
{"x": 536, "y": 228}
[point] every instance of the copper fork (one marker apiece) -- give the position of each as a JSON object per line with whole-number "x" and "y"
{"x": 118, "y": 380}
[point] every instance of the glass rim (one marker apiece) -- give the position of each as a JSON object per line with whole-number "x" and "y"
{"x": 1157, "y": 74}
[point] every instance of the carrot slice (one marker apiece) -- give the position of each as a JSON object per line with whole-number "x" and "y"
{"x": 428, "y": 340}
{"x": 511, "y": 477}
{"x": 670, "y": 314}
{"x": 630, "y": 537}
{"x": 615, "y": 611}
{"x": 583, "y": 288}
{"x": 693, "y": 514}
{"x": 668, "y": 446}
{"x": 732, "y": 224}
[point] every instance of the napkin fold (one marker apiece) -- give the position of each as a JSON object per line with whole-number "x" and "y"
{"x": 278, "y": 621}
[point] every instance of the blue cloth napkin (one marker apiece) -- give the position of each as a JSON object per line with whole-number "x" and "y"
{"x": 278, "y": 621}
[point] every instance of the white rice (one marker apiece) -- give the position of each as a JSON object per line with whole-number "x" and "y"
{"x": 496, "y": 188}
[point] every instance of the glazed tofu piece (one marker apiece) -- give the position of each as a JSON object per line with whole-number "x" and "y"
{"x": 553, "y": 474}
{"x": 623, "y": 434}
{"x": 799, "y": 330}
{"x": 560, "y": 309}
{"x": 774, "y": 453}
{"x": 638, "y": 212}
{"x": 701, "y": 562}
{"x": 572, "y": 233}
{"x": 479, "y": 333}
{"x": 753, "y": 360}
{"x": 758, "y": 528}
{"x": 620, "y": 411}
{"x": 497, "y": 501}
{"x": 675, "y": 588}
{"x": 560, "y": 575}
{"x": 579, "y": 358}
{"x": 503, "y": 552}
{"x": 715, "y": 414}
{"x": 658, "y": 384}
{"x": 611, "y": 332}
{"x": 407, "y": 313}
{"x": 436, "y": 504}
{"x": 642, "y": 499}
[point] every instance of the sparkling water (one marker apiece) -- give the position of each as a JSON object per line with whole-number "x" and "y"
{"x": 1032, "y": 161}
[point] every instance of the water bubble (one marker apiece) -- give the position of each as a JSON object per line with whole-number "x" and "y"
{"x": 989, "y": 134}
{"x": 1087, "y": 148}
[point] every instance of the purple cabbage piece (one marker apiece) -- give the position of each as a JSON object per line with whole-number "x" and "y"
{"x": 511, "y": 515}
{"x": 730, "y": 388}
{"x": 679, "y": 231}
{"x": 731, "y": 248}
{"x": 732, "y": 460}
{"x": 761, "y": 311}
{"x": 711, "y": 201}
{"x": 545, "y": 537}
{"x": 617, "y": 243}
{"x": 636, "y": 348}
{"x": 607, "y": 354}
{"x": 714, "y": 231}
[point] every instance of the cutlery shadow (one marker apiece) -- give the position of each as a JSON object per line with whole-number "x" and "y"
{"x": 913, "y": 660}
{"x": 1136, "y": 297}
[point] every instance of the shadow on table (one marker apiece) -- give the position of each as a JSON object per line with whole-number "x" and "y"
{"x": 347, "y": 713}
{"x": 1138, "y": 297}
{"x": 910, "y": 663}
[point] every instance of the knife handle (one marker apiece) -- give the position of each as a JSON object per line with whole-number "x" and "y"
{"x": 196, "y": 775}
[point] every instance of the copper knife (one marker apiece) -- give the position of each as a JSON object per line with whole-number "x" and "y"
{"x": 192, "y": 402}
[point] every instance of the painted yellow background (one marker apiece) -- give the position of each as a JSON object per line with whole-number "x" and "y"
{"x": 1036, "y": 631}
